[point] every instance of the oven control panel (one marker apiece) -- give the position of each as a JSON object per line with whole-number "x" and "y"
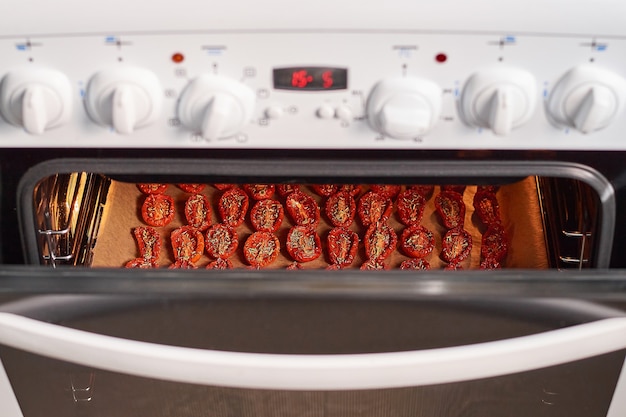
{"x": 314, "y": 90}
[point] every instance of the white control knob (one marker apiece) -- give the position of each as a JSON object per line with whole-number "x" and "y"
{"x": 125, "y": 98}
{"x": 587, "y": 98}
{"x": 499, "y": 98}
{"x": 404, "y": 108}
{"x": 36, "y": 99}
{"x": 216, "y": 106}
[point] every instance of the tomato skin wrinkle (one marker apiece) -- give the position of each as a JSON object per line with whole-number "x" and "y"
{"x": 416, "y": 241}
{"x": 487, "y": 208}
{"x": 342, "y": 246}
{"x": 233, "y": 206}
{"x": 380, "y": 241}
{"x": 340, "y": 209}
{"x": 303, "y": 243}
{"x": 451, "y": 208}
{"x": 410, "y": 207}
{"x": 456, "y": 245}
{"x": 373, "y": 208}
{"x": 494, "y": 244}
{"x": 158, "y": 210}
{"x": 148, "y": 241}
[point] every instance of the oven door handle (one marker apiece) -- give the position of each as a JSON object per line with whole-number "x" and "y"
{"x": 314, "y": 372}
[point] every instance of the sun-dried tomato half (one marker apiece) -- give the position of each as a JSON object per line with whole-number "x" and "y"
{"x": 148, "y": 241}
{"x": 374, "y": 208}
{"x": 260, "y": 191}
{"x": 353, "y": 189}
{"x": 417, "y": 241}
{"x": 303, "y": 243}
{"x": 334, "y": 267}
{"x": 342, "y": 246}
{"x": 267, "y": 215}
{"x": 456, "y": 245}
{"x": 158, "y": 210}
{"x": 494, "y": 244}
{"x": 380, "y": 241}
{"x": 187, "y": 243}
{"x": 220, "y": 263}
{"x": 454, "y": 266}
{"x": 487, "y": 208}
{"x": 324, "y": 189}
{"x": 224, "y": 187}
{"x": 152, "y": 188}
{"x": 198, "y": 212}
{"x": 389, "y": 191}
{"x": 490, "y": 264}
{"x": 415, "y": 264}
{"x": 261, "y": 249}
{"x": 191, "y": 188}
{"x": 426, "y": 191}
{"x": 455, "y": 188}
{"x": 285, "y": 189}
{"x": 294, "y": 266}
{"x": 411, "y": 206}
{"x": 142, "y": 263}
{"x": 221, "y": 241}
{"x": 233, "y": 206}
{"x": 340, "y": 209}
{"x": 487, "y": 188}
{"x": 373, "y": 265}
{"x": 182, "y": 264}
{"x": 451, "y": 209}
{"x": 302, "y": 209}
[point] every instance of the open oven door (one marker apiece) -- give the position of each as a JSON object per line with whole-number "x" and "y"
{"x": 137, "y": 344}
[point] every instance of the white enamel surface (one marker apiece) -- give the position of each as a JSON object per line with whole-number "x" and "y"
{"x": 314, "y": 372}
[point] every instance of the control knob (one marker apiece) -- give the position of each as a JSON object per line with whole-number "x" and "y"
{"x": 498, "y": 98}
{"x": 125, "y": 98}
{"x": 587, "y": 98}
{"x": 36, "y": 98}
{"x": 404, "y": 107}
{"x": 218, "y": 107}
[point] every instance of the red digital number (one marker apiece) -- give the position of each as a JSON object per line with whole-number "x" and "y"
{"x": 300, "y": 79}
{"x": 327, "y": 79}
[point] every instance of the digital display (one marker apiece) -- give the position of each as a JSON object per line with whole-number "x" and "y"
{"x": 310, "y": 78}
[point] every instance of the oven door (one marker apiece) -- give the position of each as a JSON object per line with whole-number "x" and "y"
{"x": 169, "y": 343}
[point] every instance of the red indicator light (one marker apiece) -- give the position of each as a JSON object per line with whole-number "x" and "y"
{"x": 301, "y": 78}
{"x": 441, "y": 58}
{"x": 177, "y": 58}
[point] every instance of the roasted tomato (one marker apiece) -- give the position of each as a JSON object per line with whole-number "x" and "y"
{"x": 182, "y": 264}
{"x": 487, "y": 208}
{"x": 220, "y": 264}
{"x": 488, "y": 188}
{"x": 372, "y": 265}
{"x": 303, "y": 243}
{"x": 142, "y": 263}
{"x": 285, "y": 189}
{"x": 261, "y": 249}
{"x": 303, "y": 209}
{"x": 152, "y": 188}
{"x": 411, "y": 206}
{"x": 340, "y": 209}
{"x": 374, "y": 208}
{"x": 187, "y": 243}
{"x": 224, "y": 187}
{"x": 425, "y": 191}
{"x": 198, "y": 212}
{"x": 415, "y": 264}
{"x": 389, "y": 191}
{"x": 380, "y": 241}
{"x": 158, "y": 210}
{"x": 260, "y": 191}
{"x": 342, "y": 246}
{"x": 233, "y": 206}
{"x": 267, "y": 215}
{"x": 454, "y": 266}
{"x": 353, "y": 189}
{"x": 334, "y": 267}
{"x": 490, "y": 264}
{"x": 451, "y": 209}
{"x": 494, "y": 244}
{"x": 221, "y": 241}
{"x": 417, "y": 241}
{"x": 294, "y": 266}
{"x": 324, "y": 189}
{"x": 455, "y": 188}
{"x": 191, "y": 188}
{"x": 456, "y": 245}
{"x": 148, "y": 241}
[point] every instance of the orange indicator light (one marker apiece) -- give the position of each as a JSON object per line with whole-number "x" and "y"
{"x": 177, "y": 58}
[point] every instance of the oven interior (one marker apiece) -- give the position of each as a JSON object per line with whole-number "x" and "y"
{"x": 87, "y": 218}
